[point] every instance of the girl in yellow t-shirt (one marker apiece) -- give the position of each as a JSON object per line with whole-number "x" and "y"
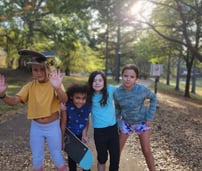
{"x": 43, "y": 96}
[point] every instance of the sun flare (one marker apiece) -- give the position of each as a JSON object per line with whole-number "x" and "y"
{"x": 141, "y": 9}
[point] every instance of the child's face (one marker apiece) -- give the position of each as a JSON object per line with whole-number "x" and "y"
{"x": 129, "y": 78}
{"x": 98, "y": 83}
{"x": 79, "y": 99}
{"x": 39, "y": 73}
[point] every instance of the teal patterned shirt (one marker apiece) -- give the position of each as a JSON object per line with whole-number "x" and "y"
{"x": 130, "y": 104}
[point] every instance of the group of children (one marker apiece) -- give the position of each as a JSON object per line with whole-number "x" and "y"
{"x": 116, "y": 112}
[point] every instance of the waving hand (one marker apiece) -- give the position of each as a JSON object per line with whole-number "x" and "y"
{"x": 56, "y": 78}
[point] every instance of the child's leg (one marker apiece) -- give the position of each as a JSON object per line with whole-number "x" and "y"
{"x": 54, "y": 140}
{"x": 71, "y": 164}
{"x": 37, "y": 142}
{"x": 114, "y": 148}
{"x": 124, "y": 131}
{"x": 146, "y": 149}
{"x": 101, "y": 167}
{"x": 122, "y": 139}
{"x": 100, "y": 141}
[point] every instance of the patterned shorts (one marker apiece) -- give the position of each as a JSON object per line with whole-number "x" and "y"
{"x": 127, "y": 128}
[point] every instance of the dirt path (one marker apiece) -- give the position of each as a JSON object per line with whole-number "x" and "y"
{"x": 15, "y": 151}
{"x": 128, "y": 162}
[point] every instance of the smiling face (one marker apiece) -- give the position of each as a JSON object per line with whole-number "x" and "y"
{"x": 129, "y": 78}
{"x": 79, "y": 99}
{"x": 98, "y": 83}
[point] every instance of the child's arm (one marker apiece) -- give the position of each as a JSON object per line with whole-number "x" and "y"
{"x": 152, "y": 107}
{"x": 10, "y": 100}
{"x": 56, "y": 82}
{"x": 62, "y": 96}
{"x": 63, "y": 120}
{"x": 85, "y": 133}
{"x": 117, "y": 109}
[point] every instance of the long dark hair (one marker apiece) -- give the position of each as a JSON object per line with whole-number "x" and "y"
{"x": 91, "y": 91}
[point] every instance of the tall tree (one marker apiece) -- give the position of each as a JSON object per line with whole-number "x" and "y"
{"x": 186, "y": 29}
{"x": 44, "y": 25}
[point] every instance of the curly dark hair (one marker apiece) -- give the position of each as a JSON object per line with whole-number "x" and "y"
{"x": 76, "y": 88}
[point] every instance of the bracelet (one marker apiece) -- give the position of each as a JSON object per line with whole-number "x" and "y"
{"x": 2, "y": 97}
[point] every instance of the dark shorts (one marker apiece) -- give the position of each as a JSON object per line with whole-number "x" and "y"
{"x": 107, "y": 141}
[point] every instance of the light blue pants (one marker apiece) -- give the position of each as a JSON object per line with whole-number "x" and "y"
{"x": 50, "y": 133}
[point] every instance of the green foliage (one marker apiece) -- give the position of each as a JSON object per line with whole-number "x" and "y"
{"x": 68, "y": 80}
{"x": 45, "y": 26}
{"x": 77, "y": 32}
{"x": 84, "y": 59}
{"x": 171, "y": 89}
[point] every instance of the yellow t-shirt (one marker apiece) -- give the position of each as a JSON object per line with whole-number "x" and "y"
{"x": 41, "y": 98}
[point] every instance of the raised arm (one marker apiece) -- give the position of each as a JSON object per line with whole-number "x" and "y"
{"x": 56, "y": 81}
{"x": 10, "y": 100}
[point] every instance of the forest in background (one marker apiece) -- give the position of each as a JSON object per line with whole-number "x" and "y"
{"x": 106, "y": 34}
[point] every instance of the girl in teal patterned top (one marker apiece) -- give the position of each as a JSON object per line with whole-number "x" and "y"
{"x": 131, "y": 112}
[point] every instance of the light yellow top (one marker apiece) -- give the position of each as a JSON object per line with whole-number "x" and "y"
{"x": 41, "y": 98}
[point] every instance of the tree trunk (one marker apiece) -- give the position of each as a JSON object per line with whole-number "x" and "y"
{"x": 178, "y": 73}
{"x": 107, "y": 50}
{"x": 193, "y": 89}
{"x": 168, "y": 71}
{"x": 118, "y": 54}
{"x": 187, "y": 85}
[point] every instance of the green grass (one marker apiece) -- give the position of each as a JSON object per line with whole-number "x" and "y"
{"x": 12, "y": 89}
{"x": 68, "y": 80}
{"x": 171, "y": 88}
{"x": 6, "y": 108}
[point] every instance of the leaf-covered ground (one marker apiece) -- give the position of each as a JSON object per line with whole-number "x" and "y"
{"x": 177, "y": 134}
